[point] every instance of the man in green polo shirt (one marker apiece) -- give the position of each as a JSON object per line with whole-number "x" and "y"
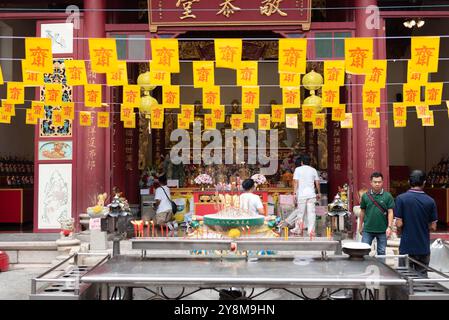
{"x": 376, "y": 216}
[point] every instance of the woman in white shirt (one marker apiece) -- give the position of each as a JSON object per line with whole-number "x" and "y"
{"x": 249, "y": 201}
{"x": 164, "y": 212}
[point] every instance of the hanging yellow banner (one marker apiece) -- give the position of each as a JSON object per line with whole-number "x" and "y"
{"x": 103, "y": 119}
{"x": 331, "y": 96}
{"x": 377, "y": 74}
{"x": 428, "y": 120}
{"x": 203, "y": 74}
{"x": 422, "y": 111}
{"x": 75, "y": 71}
{"x": 15, "y": 92}
{"x": 53, "y": 94}
{"x": 425, "y": 54}
{"x": 347, "y": 123}
{"x": 287, "y": 79}
{"x": 228, "y": 53}
{"x": 103, "y": 55}
{"x": 1, "y": 76}
{"x": 416, "y": 77}
{"x": 38, "y": 55}
{"x": 8, "y": 108}
{"x": 247, "y": 73}
{"x": 236, "y": 122}
{"x": 369, "y": 113}
{"x": 126, "y": 112}
{"x": 264, "y": 122}
{"x": 165, "y": 55}
{"x": 399, "y": 111}
{"x": 292, "y": 55}
{"x": 411, "y": 94}
{"x": 183, "y": 123}
{"x": 319, "y": 121}
{"x": 57, "y": 119}
{"x": 211, "y": 97}
{"x": 170, "y": 97}
{"x": 131, "y": 95}
{"x": 68, "y": 110}
{"x": 30, "y": 118}
{"x": 375, "y": 122}
{"x": 250, "y": 97}
{"x": 248, "y": 114}
{"x": 218, "y": 114}
{"x": 334, "y": 72}
{"x": 85, "y": 118}
{"x": 358, "y": 55}
{"x": 188, "y": 112}
{"x": 339, "y": 113}
{"x": 130, "y": 123}
{"x": 157, "y": 117}
{"x": 37, "y": 108}
{"x": 92, "y": 95}
{"x": 400, "y": 123}
{"x": 371, "y": 96}
{"x": 31, "y": 78}
{"x": 4, "y": 118}
{"x": 434, "y": 92}
{"x": 118, "y": 77}
{"x": 209, "y": 123}
{"x": 159, "y": 78}
{"x": 308, "y": 113}
{"x": 290, "y": 97}
{"x": 277, "y": 113}
{"x": 291, "y": 121}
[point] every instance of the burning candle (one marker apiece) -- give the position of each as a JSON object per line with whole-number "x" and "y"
{"x": 162, "y": 230}
{"x": 152, "y": 227}
{"x": 249, "y": 231}
{"x": 166, "y": 230}
{"x": 148, "y": 228}
{"x": 135, "y": 228}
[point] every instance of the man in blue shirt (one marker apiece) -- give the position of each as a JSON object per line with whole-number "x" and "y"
{"x": 416, "y": 213}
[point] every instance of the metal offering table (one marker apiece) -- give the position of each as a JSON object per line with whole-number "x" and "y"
{"x": 261, "y": 272}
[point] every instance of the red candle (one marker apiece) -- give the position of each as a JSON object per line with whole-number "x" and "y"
{"x": 166, "y": 230}
{"x": 152, "y": 226}
{"x": 135, "y": 229}
{"x": 141, "y": 229}
{"x": 249, "y": 231}
{"x": 148, "y": 228}
{"x": 162, "y": 230}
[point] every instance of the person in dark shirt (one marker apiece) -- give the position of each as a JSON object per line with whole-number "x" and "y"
{"x": 416, "y": 213}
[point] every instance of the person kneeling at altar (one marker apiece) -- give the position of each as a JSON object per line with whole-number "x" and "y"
{"x": 250, "y": 202}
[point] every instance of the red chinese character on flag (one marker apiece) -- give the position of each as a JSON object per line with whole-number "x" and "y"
{"x": 165, "y": 55}
{"x": 203, "y": 74}
{"x": 376, "y": 74}
{"x": 39, "y": 56}
{"x": 370, "y": 96}
{"x": 246, "y": 74}
{"x": 333, "y": 74}
{"x": 292, "y": 56}
{"x": 53, "y": 95}
{"x": 170, "y": 97}
{"x": 103, "y": 56}
{"x": 264, "y": 122}
{"x": 330, "y": 96}
{"x": 131, "y": 96}
{"x": 358, "y": 56}
{"x": 424, "y": 54}
{"x": 250, "y": 97}
{"x": 399, "y": 111}
{"x": 15, "y": 93}
{"x": 411, "y": 95}
{"x": 217, "y": 114}
{"x": 228, "y": 53}
{"x": 211, "y": 97}
{"x": 291, "y": 97}
{"x": 433, "y": 94}
{"x": 92, "y": 96}
{"x": 248, "y": 114}
{"x": 75, "y": 73}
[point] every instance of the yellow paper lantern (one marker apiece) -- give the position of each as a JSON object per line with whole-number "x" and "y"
{"x": 313, "y": 101}
{"x": 234, "y": 233}
{"x": 146, "y": 103}
{"x": 312, "y": 81}
{"x": 144, "y": 81}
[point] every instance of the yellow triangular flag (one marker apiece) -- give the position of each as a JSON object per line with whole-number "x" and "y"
{"x": 103, "y": 119}
{"x": 39, "y": 54}
{"x": 228, "y": 53}
{"x": 203, "y": 74}
{"x": 247, "y": 73}
{"x": 292, "y": 55}
{"x": 165, "y": 55}
{"x": 75, "y": 71}
{"x": 103, "y": 55}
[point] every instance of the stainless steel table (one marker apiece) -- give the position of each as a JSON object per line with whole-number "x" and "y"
{"x": 265, "y": 272}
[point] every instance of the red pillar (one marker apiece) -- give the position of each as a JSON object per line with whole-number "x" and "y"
{"x": 370, "y": 146}
{"x": 93, "y": 142}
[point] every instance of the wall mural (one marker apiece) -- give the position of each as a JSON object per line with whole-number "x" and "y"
{"x": 47, "y": 129}
{"x": 55, "y": 150}
{"x": 55, "y": 195}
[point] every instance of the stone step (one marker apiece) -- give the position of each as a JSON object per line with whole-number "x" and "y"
{"x": 27, "y": 245}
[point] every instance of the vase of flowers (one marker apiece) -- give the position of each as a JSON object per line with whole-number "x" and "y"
{"x": 203, "y": 180}
{"x": 259, "y": 179}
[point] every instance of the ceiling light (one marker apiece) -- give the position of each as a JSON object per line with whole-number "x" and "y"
{"x": 413, "y": 23}
{"x": 420, "y": 23}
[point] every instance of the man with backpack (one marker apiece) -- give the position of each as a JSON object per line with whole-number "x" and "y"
{"x": 376, "y": 216}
